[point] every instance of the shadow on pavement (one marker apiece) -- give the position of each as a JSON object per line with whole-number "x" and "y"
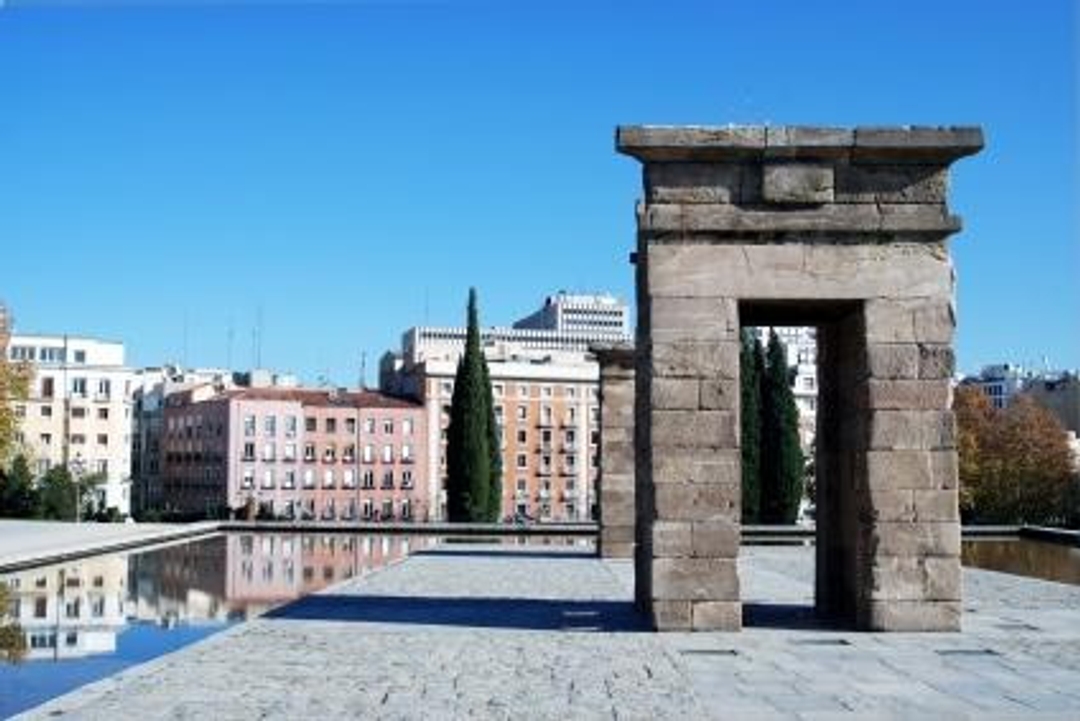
{"x": 508, "y": 613}
{"x": 793, "y": 616}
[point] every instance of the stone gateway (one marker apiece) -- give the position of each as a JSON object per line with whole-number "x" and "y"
{"x": 841, "y": 229}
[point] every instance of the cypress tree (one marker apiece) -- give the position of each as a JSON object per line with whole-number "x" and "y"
{"x": 468, "y": 446}
{"x": 781, "y": 454}
{"x": 751, "y": 362}
{"x": 18, "y": 497}
{"x": 494, "y": 510}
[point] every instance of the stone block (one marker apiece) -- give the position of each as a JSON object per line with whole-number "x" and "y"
{"x": 792, "y": 271}
{"x": 915, "y": 539}
{"x": 937, "y": 505}
{"x": 893, "y": 360}
{"x": 903, "y": 320}
{"x": 706, "y": 466}
{"x": 686, "y": 359}
{"x": 695, "y": 579}
{"x": 693, "y": 183}
{"x": 675, "y": 393}
{"x": 888, "y": 505}
{"x": 934, "y": 578}
{"x": 917, "y": 218}
{"x": 671, "y": 615}
{"x": 615, "y": 549}
{"x": 907, "y": 394}
{"x": 672, "y": 143}
{"x": 794, "y": 141}
{"x": 720, "y": 395}
{"x": 698, "y": 319}
{"x": 797, "y": 183}
{"x": 891, "y": 183}
{"x": 672, "y": 539}
{"x": 944, "y": 467}
{"x": 716, "y": 538}
{"x": 936, "y": 361}
{"x": 616, "y": 455}
{"x": 617, "y": 399}
{"x": 919, "y": 145}
{"x": 910, "y": 616}
{"x": 618, "y": 533}
{"x": 912, "y": 430}
{"x": 901, "y": 470}
{"x": 717, "y": 616}
{"x": 697, "y": 501}
{"x": 694, "y": 429}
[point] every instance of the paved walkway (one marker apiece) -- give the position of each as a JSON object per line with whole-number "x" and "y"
{"x": 50, "y": 541}
{"x": 478, "y": 632}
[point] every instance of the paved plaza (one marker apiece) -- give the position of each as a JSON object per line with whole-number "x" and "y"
{"x": 476, "y": 631}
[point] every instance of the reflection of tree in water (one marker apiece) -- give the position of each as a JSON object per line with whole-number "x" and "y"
{"x": 12, "y": 639}
{"x": 1024, "y": 557}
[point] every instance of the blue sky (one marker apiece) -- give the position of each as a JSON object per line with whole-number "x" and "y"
{"x": 351, "y": 168}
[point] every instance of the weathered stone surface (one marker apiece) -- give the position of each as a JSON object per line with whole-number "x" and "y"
{"x": 934, "y": 578}
{"x": 893, "y": 360}
{"x": 915, "y": 539}
{"x": 688, "y": 359}
{"x": 693, "y": 183}
{"x": 720, "y": 395}
{"x": 920, "y": 470}
{"x": 675, "y": 393}
{"x": 833, "y": 219}
{"x": 912, "y": 430}
{"x": 671, "y": 615}
{"x": 717, "y": 616}
{"x": 936, "y": 361}
{"x": 911, "y": 616}
{"x": 695, "y": 579}
{"x": 906, "y": 394}
{"x": 697, "y": 501}
{"x": 668, "y": 143}
{"x": 916, "y": 144}
{"x": 904, "y": 320}
{"x": 698, "y": 465}
{"x": 937, "y": 505}
{"x": 694, "y": 429}
{"x": 797, "y": 183}
{"x": 717, "y": 537}
{"x": 695, "y": 319}
{"x": 793, "y": 141}
{"x": 890, "y": 183}
{"x": 672, "y": 539}
{"x": 791, "y": 271}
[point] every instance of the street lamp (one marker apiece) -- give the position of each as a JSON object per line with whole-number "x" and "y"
{"x": 78, "y": 466}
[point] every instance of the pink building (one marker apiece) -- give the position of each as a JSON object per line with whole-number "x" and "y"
{"x": 296, "y": 453}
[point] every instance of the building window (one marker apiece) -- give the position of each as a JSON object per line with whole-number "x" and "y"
{"x": 348, "y": 454}
{"x": 290, "y": 426}
{"x": 309, "y": 478}
{"x": 80, "y": 356}
{"x": 368, "y": 479}
{"x": 269, "y": 451}
{"x": 41, "y": 607}
{"x": 522, "y": 485}
{"x": 290, "y": 452}
{"x": 104, "y": 389}
{"x": 78, "y": 439}
{"x": 406, "y": 509}
{"x": 387, "y": 480}
{"x": 248, "y": 480}
{"x": 388, "y": 454}
{"x": 102, "y": 439}
{"x": 270, "y": 425}
{"x": 249, "y": 425}
{"x": 369, "y": 425}
{"x": 388, "y": 426}
{"x": 328, "y": 479}
{"x": 46, "y": 411}
{"x": 350, "y": 426}
{"x": 546, "y": 392}
{"x": 103, "y": 414}
{"x": 331, "y": 425}
{"x": 78, "y": 412}
{"x": 309, "y": 452}
{"x": 348, "y": 479}
{"x": 407, "y": 427}
{"x": 497, "y": 389}
{"x": 522, "y": 460}
{"x": 387, "y": 510}
{"x": 249, "y": 452}
{"x": 46, "y": 439}
{"x": 523, "y": 391}
{"x": 522, "y": 413}
{"x": 406, "y": 453}
{"x": 546, "y": 415}
{"x": 522, "y": 437}
{"x": 268, "y": 479}
{"x": 20, "y": 411}
{"x": 369, "y": 454}
{"x": 48, "y": 387}
{"x": 366, "y": 509}
{"x": 329, "y": 453}
{"x": 406, "y": 479}
{"x": 290, "y": 479}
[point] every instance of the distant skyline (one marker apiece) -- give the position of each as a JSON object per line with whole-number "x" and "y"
{"x": 346, "y": 170}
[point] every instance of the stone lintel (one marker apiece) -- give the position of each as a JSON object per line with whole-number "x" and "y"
{"x": 614, "y": 356}
{"x": 739, "y": 143}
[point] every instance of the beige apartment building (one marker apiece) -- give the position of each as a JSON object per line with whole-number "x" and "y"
{"x": 78, "y": 413}
{"x": 545, "y": 385}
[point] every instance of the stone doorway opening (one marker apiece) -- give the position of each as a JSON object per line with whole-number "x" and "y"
{"x": 831, "y": 392}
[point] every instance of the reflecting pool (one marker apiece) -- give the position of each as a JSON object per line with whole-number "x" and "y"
{"x": 88, "y": 619}
{"x": 1025, "y": 557}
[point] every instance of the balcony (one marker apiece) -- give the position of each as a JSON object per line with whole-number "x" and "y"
{"x": 543, "y": 471}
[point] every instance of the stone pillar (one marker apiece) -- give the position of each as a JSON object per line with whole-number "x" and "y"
{"x": 615, "y": 486}
{"x": 838, "y": 228}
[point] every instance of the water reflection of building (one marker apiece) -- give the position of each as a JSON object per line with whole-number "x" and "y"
{"x": 70, "y": 610}
{"x": 180, "y": 583}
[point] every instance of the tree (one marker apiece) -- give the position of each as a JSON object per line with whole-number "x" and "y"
{"x": 751, "y": 366}
{"x": 14, "y": 386}
{"x": 1015, "y": 464}
{"x": 782, "y": 464}
{"x": 18, "y": 498}
{"x": 494, "y": 449}
{"x": 471, "y": 436}
{"x": 56, "y": 495}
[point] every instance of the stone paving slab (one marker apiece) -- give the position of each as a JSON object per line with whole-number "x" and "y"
{"x": 34, "y": 542}
{"x": 484, "y": 633}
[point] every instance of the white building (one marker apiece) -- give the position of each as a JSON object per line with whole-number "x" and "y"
{"x": 598, "y": 314}
{"x": 78, "y": 412}
{"x": 1000, "y": 382}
